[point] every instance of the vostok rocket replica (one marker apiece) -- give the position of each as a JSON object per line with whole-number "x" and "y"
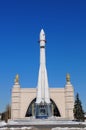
{"x": 43, "y": 104}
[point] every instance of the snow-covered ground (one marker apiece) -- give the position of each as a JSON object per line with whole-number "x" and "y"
{"x": 30, "y": 128}
{"x": 66, "y": 128}
{"x": 3, "y": 125}
{"x": 23, "y": 128}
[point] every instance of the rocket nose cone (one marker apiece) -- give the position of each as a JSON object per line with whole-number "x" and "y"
{"x": 42, "y": 31}
{"x": 42, "y": 35}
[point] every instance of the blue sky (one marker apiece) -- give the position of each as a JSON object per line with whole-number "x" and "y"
{"x": 64, "y": 22}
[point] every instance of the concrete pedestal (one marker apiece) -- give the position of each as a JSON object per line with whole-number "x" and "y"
{"x": 43, "y": 110}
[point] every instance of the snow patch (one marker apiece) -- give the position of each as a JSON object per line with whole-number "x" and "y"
{"x": 66, "y": 128}
{"x": 2, "y": 123}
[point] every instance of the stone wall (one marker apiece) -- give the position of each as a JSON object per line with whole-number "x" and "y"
{"x": 22, "y": 97}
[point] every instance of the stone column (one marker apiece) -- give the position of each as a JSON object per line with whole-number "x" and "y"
{"x": 15, "y": 103}
{"x": 69, "y": 98}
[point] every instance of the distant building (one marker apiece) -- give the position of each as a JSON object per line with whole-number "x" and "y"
{"x": 42, "y": 101}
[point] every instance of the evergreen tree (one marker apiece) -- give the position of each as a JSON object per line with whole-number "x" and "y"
{"x": 78, "y": 110}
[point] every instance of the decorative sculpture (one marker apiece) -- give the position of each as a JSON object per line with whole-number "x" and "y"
{"x": 17, "y": 79}
{"x": 68, "y": 77}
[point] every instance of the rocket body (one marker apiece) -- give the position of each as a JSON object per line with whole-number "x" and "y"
{"x": 42, "y": 86}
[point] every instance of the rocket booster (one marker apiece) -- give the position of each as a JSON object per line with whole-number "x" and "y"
{"x": 42, "y": 87}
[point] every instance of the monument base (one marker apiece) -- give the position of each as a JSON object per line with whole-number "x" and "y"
{"x": 43, "y": 110}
